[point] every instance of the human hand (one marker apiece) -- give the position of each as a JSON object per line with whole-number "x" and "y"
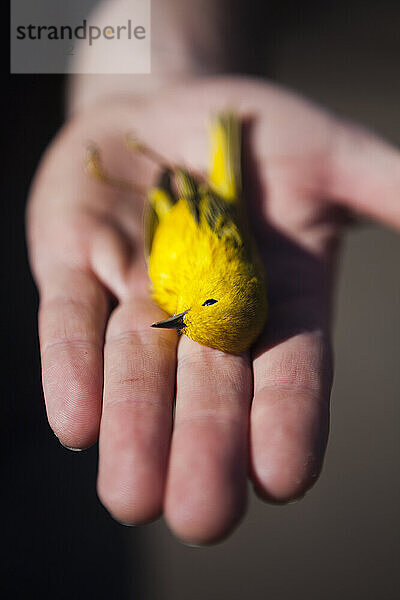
{"x": 264, "y": 414}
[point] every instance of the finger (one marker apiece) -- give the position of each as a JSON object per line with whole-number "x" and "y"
{"x": 72, "y": 316}
{"x": 136, "y": 423}
{"x": 365, "y": 173}
{"x": 111, "y": 259}
{"x": 206, "y": 489}
{"x": 290, "y": 415}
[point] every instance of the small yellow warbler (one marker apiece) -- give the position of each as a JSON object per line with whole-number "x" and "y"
{"x": 201, "y": 259}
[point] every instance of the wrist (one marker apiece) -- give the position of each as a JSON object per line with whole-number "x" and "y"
{"x": 189, "y": 39}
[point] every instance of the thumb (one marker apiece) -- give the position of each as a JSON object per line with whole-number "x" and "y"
{"x": 365, "y": 173}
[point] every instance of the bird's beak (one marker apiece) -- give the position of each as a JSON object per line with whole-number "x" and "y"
{"x": 175, "y": 322}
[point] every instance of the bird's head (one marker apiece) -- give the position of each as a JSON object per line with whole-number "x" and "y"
{"x": 226, "y": 313}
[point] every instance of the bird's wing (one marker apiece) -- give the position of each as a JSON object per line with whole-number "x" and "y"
{"x": 188, "y": 189}
{"x": 208, "y": 207}
{"x": 222, "y": 217}
{"x": 160, "y": 201}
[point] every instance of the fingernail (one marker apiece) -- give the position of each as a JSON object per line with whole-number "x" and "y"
{"x": 295, "y": 500}
{"x": 190, "y": 545}
{"x": 70, "y": 448}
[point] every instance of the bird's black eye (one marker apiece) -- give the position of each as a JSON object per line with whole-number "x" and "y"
{"x": 209, "y": 302}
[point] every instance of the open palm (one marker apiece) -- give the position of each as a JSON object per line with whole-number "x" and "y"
{"x": 107, "y": 374}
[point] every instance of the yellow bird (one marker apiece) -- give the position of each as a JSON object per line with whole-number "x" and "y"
{"x": 202, "y": 262}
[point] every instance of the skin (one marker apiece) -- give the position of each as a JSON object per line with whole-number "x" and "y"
{"x": 264, "y": 414}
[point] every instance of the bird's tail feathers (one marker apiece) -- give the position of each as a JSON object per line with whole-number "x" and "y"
{"x": 225, "y": 168}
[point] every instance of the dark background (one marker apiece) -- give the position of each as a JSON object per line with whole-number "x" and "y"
{"x": 56, "y": 541}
